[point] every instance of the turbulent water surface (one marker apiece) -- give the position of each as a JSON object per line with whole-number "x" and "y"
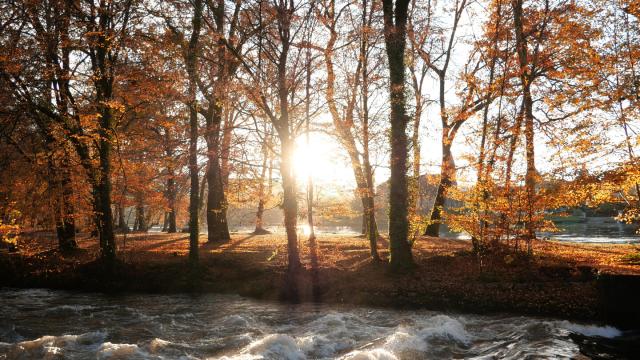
{"x": 43, "y": 324}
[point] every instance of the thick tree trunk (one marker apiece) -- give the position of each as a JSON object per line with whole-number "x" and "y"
{"x": 290, "y": 204}
{"x": 260, "y": 230}
{"x": 141, "y": 220}
{"x": 400, "y": 257}
{"x": 217, "y": 226}
{"x": 122, "y": 225}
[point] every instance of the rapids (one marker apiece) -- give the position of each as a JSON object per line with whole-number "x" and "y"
{"x": 44, "y": 324}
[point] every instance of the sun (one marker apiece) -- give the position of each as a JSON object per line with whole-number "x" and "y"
{"x": 323, "y": 160}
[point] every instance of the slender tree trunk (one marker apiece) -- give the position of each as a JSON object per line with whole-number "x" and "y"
{"x": 447, "y": 176}
{"x": 482, "y": 179}
{"x": 171, "y": 191}
{"x": 225, "y": 151}
{"x": 102, "y": 193}
{"x": 60, "y": 175}
{"x": 190, "y": 51}
{"x": 65, "y": 221}
{"x": 312, "y": 234}
{"x": 395, "y": 40}
{"x": 202, "y": 191}
{"x": 344, "y": 122}
{"x": 262, "y": 196}
{"x": 190, "y": 62}
{"x": 525, "y": 79}
{"x": 193, "y": 175}
{"x": 369, "y": 207}
{"x": 171, "y": 197}
{"x": 530, "y": 177}
{"x": 416, "y": 191}
{"x": 445, "y": 167}
{"x": 509, "y": 166}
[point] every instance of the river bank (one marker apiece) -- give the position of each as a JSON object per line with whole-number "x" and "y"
{"x": 593, "y": 282}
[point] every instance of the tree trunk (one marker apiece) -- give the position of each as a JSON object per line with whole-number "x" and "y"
{"x": 369, "y": 209}
{"x": 193, "y": 175}
{"x": 165, "y": 221}
{"x": 525, "y": 79}
{"x": 217, "y": 227}
{"x": 64, "y": 209}
{"x": 141, "y": 220}
{"x": 171, "y": 197}
{"x": 286, "y": 133}
{"x": 312, "y": 234}
{"x": 260, "y": 230}
{"x": 400, "y": 257}
{"x": 447, "y": 179}
{"x": 415, "y": 200}
{"x": 225, "y": 150}
{"x": 102, "y": 192}
{"x": 122, "y": 224}
{"x": 190, "y": 64}
{"x": 344, "y": 122}
{"x": 290, "y": 204}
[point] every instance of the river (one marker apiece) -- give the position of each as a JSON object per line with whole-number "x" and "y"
{"x": 605, "y": 230}
{"x": 44, "y": 324}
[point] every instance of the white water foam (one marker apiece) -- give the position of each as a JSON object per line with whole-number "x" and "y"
{"x": 374, "y": 354}
{"x": 273, "y": 346}
{"x": 49, "y": 347}
{"x": 335, "y": 333}
{"x": 592, "y": 330}
{"x": 415, "y": 337}
{"x": 121, "y": 351}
